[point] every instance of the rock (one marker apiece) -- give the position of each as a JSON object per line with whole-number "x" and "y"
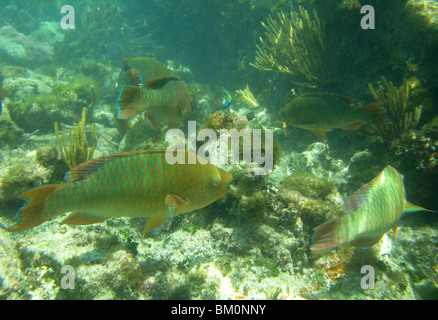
{"x": 19, "y": 49}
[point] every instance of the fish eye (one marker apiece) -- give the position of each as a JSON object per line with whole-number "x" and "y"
{"x": 216, "y": 181}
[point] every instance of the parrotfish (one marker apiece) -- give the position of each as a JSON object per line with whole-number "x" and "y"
{"x": 130, "y": 184}
{"x": 154, "y": 89}
{"x": 372, "y": 211}
{"x": 322, "y": 112}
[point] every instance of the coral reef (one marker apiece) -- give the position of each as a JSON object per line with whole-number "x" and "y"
{"x": 77, "y": 151}
{"x": 36, "y": 101}
{"x": 19, "y": 49}
{"x": 296, "y": 46}
{"x": 20, "y": 172}
{"x": 10, "y": 134}
{"x": 221, "y": 120}
{"x": 428, "y": 9}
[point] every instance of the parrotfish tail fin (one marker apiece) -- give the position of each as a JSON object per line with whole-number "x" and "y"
{"x": 409, "y": 207}
{"x": 32, "y": 213}
{"x": 134, "y": 78}
{"x": 127, "y": 102}
{"x": 159, "y": 83}
{"x": 377, "y": 113}
{"x": 324, "y": 236}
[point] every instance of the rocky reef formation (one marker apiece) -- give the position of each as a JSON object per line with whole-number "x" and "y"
{"x": 19, "y": 49}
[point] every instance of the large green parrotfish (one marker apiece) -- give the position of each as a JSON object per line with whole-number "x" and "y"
{"x": 322, "y": 112}
{"x": 372, "y": 211}
{"x": 154, "y": 90}
{"x": 130, "y": 184}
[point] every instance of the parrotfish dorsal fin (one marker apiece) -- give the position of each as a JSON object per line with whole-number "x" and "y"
{"x": 349, "y": 100}
{"x": 357, "y": 199}
{"x": 85, "y": 169}
{"x": 126, "y": 104}
{"x": 148, "y": 67}
{"x": 159, "y": 83}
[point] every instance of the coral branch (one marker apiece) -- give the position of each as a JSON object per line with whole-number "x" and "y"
{"x": 395, "y": 100}
{"x": 296, "y": 46}
{"x": 77, "y": 150}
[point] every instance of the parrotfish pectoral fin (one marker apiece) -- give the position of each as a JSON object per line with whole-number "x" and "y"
{"x": 31, "y": 214}
{"x": 126, "y": 104}
{"x": 81, "y": 218}
{"x": 321, "y": 133}
{"x": 376, "y": 113}
{"x": 409, "y": 207}
{"x": 159, "y": 83}
{"x": 154, "y": 222}
{"x": 174, "y": 204}
{"x": 324, "y": 236}
{"x": 364, "y": 242}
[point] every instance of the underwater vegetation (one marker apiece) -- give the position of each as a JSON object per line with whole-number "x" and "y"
{"x": 296, "y": 46}
{"x": 402, "y": 114}
{"x": 245, "y": 96}
{"x": 76, "y": 150}
{"x": 101, "y": 30}
{"x": 97, "y": 18}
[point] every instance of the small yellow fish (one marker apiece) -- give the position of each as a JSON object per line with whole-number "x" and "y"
{"x": 155, "y": 90}
{"x": 130, "y": 184}
{"x": 372, "y": 211}
{"x": 322, "y": 112}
